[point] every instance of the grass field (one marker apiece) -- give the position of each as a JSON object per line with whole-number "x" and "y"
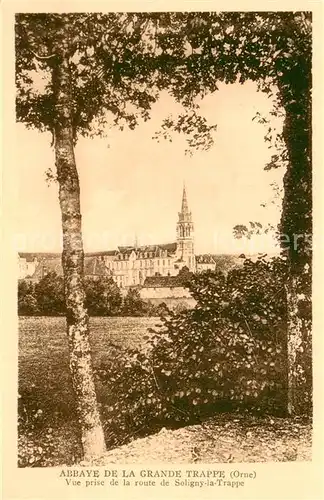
{"x": 44, "y": 379}
{"x": 49, "y": 433}
{"x": 43, "y": 350}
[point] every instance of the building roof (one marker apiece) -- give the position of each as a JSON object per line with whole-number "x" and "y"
{"x": 170, "y": 247}
{"x": 101, "y": 254}
{"x": 146, "y": 250}
{"x": 30, "y": 256}
{"x": 46, "y": 266}
{"x": 167, "y": 281}
{"x": 93, "y": 266}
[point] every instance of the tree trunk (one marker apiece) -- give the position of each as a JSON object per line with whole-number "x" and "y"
{"x": 299, "y": 347}
{"x": 296, "y": 223}
{"x": 73, "y": 260}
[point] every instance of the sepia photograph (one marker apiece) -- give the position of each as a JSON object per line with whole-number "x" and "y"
{"x": 164, "y": 240}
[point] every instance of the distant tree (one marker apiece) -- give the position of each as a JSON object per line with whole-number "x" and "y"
{"x": 25, "y": 287}
{"x": 27, "y": 302}
{"x": 162, "y": 309}
{"x": 28, "y": 306}
{"x": 49, "y": 293}
{"x": 149, "y": 309}
{"x": 180, "y": 307}
{"x": 103, "y": 297}
{"x": 134, "y": 305}
{"x": 184, "y": 271}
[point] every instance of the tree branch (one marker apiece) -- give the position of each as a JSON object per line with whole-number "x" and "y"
{"x": 42, "y": 57}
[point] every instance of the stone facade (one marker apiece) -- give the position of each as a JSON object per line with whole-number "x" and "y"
{"x": 27, "y": 265}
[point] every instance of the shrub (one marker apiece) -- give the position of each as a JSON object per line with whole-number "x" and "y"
{"x": 27, "y": 305}
{"x": 229, "y": 352}
{"x": 103, "y": 297}
{"x": 44, "y": 438}
{"x": 134, "y": 305}
{"x": 49, "y": 293}
{"x": 27, "y": 302}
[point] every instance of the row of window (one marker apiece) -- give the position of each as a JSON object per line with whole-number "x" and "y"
{"x": 143, "y": 263}
{"x": 144, "y": 255}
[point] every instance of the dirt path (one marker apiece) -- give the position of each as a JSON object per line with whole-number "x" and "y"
{"x": 220, "y": 439}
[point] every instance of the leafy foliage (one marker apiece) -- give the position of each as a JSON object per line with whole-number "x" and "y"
{"x": 119, "y": 63}
{"x": 27, "y": 302}
{"x": 253, "y": 228}
{"x": 133, "y": 304}
{"x": 39, "y": 443}
{"x": 49, "y": 294}
{"x": 103, "y": 297}
{"x": 229, "y": 352}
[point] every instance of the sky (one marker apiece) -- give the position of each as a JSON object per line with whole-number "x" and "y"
{"x": 131, "y": 185}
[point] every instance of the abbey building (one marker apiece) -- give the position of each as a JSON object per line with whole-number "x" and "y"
{"x": 131, "y": 265}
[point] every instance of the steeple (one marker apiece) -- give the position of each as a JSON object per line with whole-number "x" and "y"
{"x": 185, "y": 234}
{"x": 185, "y": 214}
{"x": 184, "y": 205}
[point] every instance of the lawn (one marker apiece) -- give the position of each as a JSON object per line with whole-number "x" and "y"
{"x": 52, "y": 439}
{"x": 45, "y": 386}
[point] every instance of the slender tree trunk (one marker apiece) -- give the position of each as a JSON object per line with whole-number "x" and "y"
{"x": 73, "y": 259}
{"x": 296, "y": 223}
{"x": 299, "y": 349}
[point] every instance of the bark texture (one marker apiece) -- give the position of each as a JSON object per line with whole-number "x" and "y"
{"x": 72, "y": 261}
{"x": 296, "y": 223}
{"x": 299, "y": 347}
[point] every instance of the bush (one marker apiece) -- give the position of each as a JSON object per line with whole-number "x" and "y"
{"x": 46, "y": 298}
{"x": 43, "y": 439}
{"x": 27, "y": 302}
{"x": 229, "y": 352}
{"x": 134, "y": 305}
{"x": 27, "y": 305}
{"x": 134, "y": 404}
{"x": 49, "y": 293}
{"x": 103, "y": 297}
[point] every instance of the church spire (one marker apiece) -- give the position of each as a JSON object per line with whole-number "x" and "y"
{"x": 185, "y": 214}
{"x": 185, "y": 234}
{"x": 184, "y": 205}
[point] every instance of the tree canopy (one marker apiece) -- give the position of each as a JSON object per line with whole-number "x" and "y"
{"x": 119, "y": 63}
